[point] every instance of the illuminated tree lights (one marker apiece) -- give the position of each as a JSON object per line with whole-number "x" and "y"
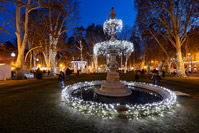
{"x": 110, "y": 110}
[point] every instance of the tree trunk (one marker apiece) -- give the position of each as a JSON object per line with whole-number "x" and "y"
{"x": 31, "y": 60}
{"x": 180, "y": 62}
{"x": 21, "y": 44}
{"x": 19, "y": 64}
{"x": 96, "y": 63}
{"x": 161, "y": 67}
{"x": 34, "y": 60}
{"x": 148, "y": 68}
{"x": 134, "y": 67}
{"x": 125, "y": 66}
{"x": 143, "y": 62}
{"x": 121, "y": 62}
{"x": 53, "y": 62}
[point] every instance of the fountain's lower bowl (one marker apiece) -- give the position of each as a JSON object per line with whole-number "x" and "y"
{"x": 110, "y": 110}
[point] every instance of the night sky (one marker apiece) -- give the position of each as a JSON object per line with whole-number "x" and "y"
{"x": 91, "y": 11}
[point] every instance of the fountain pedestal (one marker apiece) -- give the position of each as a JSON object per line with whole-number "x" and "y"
{"x": 113, "y": 87}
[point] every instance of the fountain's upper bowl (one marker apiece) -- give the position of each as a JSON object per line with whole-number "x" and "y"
{"x": 123, "y": 46}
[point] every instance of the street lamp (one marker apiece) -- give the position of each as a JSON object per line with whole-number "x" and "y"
{"x": 61, "y": 66}
{"x": 13, "y": 54}
{"x": 189, "y": 57}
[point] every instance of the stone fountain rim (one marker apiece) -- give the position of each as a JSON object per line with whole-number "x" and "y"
{"x": 108, "y": 110}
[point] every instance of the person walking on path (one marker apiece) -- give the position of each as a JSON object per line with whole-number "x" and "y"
{"x": 136, "y": 77}
{"x": 61, "y": 79}
{"x": 156, "y": 79}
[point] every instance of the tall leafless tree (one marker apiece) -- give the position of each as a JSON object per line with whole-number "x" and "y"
{"x": 169, "y": 19}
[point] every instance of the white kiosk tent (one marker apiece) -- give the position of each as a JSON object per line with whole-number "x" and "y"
{"x": 5, "y": 71}
{"x": 79, "y": 65}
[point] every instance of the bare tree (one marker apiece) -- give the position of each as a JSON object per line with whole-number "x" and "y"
{"x": 171, "y": 20}
{"x": 59, "y": 17}
{"x": 22, "y": 38}
{"x": 94, "y": 34}
{"x": 64, "y": 12}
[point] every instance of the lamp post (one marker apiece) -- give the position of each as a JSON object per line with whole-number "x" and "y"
{"x": 189, "y": 57}
{"x": 13, "y": 55}
{"x": 152, "y": 65}
{"x": 61, "y": 66}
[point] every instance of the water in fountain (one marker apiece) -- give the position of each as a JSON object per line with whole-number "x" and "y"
{"x": 138, "y": 96}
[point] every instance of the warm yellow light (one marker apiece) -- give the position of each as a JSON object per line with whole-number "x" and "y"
{"x": 61, "y": 65}
{"x": 189, "y": 54}
{"x": 144, "y": 66}
{"x": 12, "y": 68}
{"x": 39, "y": 66}
{"x": 132, "y": 68}
{"x": 152, "y": 61}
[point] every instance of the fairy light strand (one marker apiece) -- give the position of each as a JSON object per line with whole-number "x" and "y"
{"x": 109, "y": 111}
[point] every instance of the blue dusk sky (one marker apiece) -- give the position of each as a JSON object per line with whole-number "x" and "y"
{"x": 91, "y": 11}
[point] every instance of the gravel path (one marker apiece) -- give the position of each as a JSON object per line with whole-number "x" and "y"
{"x": 38, "y": 107}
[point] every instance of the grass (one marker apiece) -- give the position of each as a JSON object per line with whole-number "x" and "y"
{"x": 188, "y": 85}
{"x": 36, "y": 106}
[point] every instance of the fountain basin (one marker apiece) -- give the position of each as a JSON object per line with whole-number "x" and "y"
{"x": 110, "y": 110}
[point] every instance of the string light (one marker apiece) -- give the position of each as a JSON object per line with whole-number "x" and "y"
{"x": 112, "y": 26}
{"x": 109, "y": 110}
{"x": 124, "y": 47}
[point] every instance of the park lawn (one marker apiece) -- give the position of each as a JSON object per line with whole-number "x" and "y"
{"x": 188, "y": 85}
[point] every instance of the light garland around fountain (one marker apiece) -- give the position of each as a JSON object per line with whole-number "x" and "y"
{"x": 110, "y": 110}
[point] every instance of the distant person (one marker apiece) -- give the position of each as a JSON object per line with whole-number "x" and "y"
{"x": 156, "y": 79}
{"x": 136, "y": 77}
{"x": 48, "y": 72}
{"x": 68, "y": 72}
{"x": 13, "y": 74}
{"x": 77, "y": 72}
{"x": 163, "y": 74}
{"x": 61, "y": 79}
{"x": 154, "y": 71}
{"x": 143, "y": 71}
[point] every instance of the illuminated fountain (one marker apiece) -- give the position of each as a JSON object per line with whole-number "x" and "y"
{"x": 113, "y": 97}
{"x": 113, "y": 87}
